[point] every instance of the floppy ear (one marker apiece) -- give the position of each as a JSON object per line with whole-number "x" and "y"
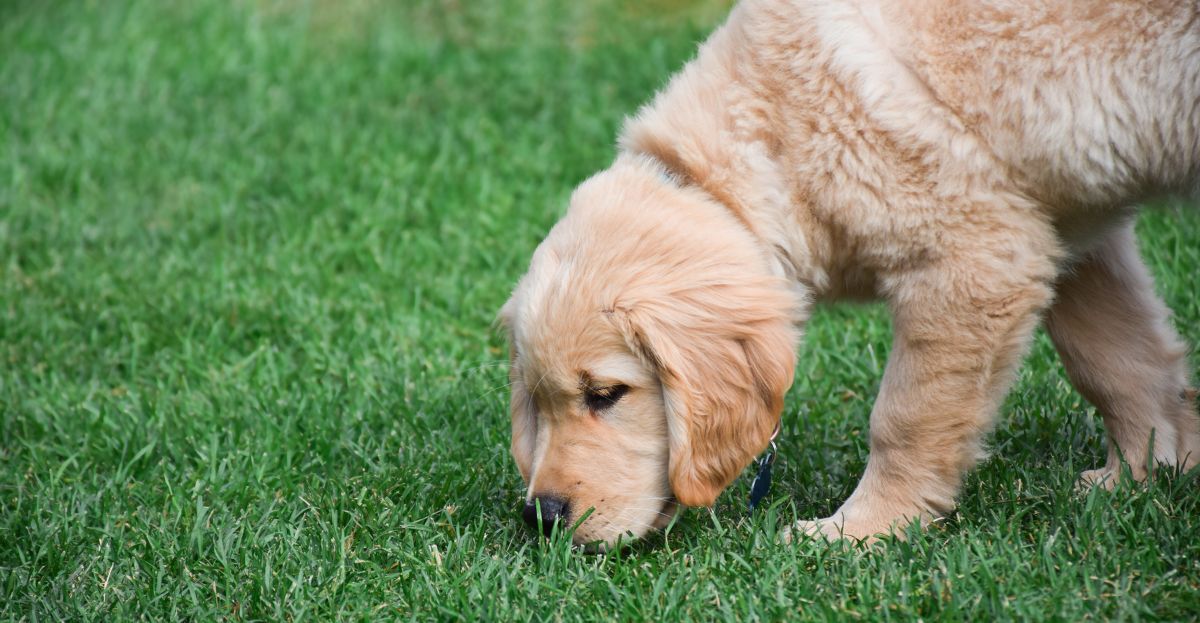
{"x": 521, "y": 407}
{"x": 725, "y": 357}
{"x": 524, "y": 422}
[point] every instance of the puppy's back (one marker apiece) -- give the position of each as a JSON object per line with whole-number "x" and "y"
{"x": 1093, "y": 104}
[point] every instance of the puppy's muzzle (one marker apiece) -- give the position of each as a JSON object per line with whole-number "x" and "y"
{"x": 553, "y": 509}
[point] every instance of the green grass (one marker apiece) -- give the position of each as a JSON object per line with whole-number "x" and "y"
{"x": 250, "y": 253}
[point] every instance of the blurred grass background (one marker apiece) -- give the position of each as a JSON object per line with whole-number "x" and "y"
{"x": 250, "y": 253}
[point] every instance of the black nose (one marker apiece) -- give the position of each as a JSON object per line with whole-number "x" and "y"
{"x": 553, "y": 509}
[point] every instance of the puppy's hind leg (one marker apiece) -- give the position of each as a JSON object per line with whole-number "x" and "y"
{"x": 1116, "y": 342}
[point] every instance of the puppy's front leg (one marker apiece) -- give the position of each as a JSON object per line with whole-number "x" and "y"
{"x": 961, "y": 328}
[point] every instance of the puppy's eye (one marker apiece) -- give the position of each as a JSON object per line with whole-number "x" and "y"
{"x": 601, "y": 398}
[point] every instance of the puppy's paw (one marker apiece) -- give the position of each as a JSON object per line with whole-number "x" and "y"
{"x": 837, "y": 527}
{"x": 1104, "y": 478}
{"x": 828, "y": 529}
{"x": 864, "y": 529}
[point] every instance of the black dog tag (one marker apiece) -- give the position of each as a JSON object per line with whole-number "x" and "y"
{"x": 762, "y": 480}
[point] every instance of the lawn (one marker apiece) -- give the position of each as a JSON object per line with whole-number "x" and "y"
{"x": 250, "y": 256}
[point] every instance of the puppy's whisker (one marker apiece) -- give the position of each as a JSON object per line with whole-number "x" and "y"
{"x": 501, "y": 386}
{"x": 491, "y": 365}
{"x": 632, "y": 522}
{"x": 642, "y": 508}
{"x": 538, "y": 384}
{"x": 489, "y": 392}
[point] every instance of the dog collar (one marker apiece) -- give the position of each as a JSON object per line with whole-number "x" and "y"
{"x": 761, "y": 484}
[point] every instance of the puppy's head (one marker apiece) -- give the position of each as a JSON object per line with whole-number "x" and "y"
{"x": 650, "y": 351}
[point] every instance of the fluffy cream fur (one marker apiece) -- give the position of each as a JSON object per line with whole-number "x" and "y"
{"x": 971, "y": 163}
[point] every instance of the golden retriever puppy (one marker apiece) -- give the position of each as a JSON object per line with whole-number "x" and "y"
{"x": 971, "y": 163}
